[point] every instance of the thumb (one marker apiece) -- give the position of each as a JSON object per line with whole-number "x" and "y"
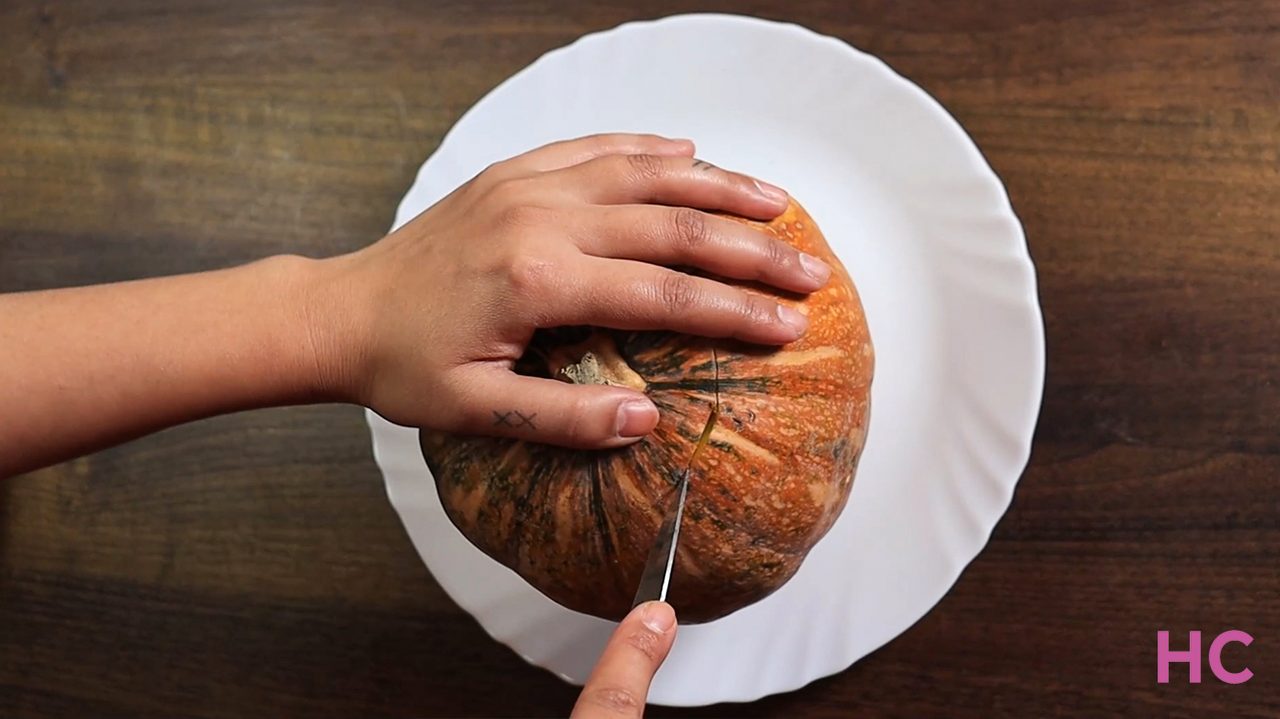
{"x": 619, "y": 685}
{"x": 504, "y": 404}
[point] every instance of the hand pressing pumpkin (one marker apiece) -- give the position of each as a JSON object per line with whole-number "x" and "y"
{"x": 425, "y": 325}
{"x": 584, "y": 232}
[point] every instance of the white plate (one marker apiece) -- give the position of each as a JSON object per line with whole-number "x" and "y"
{"x": 924, "y": 226}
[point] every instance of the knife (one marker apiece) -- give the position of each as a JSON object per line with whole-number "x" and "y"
{"x": 655, "y": 582}
{"x": 656, "y": 579}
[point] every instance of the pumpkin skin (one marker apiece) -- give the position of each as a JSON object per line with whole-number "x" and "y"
{"x": 579, "y": 525}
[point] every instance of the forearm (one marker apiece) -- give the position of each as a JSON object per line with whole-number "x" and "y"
{"x": 87, "y": 367}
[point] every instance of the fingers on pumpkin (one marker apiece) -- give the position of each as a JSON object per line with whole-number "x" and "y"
{"x": 685, "y": 236}
{"x": 500, "y": 403}
{"x": 677, "y": 181}
{"x": 567, "y": 153}
{"x": 630, "y": 295}
{"x": 619, "y": 685}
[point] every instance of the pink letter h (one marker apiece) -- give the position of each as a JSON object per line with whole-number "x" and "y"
{"x": 1165, "y": 657}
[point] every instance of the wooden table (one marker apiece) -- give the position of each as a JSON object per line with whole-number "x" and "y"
{"x": 251, "y": 566}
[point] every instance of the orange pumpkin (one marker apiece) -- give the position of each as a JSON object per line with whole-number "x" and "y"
{"x": 578, "y": 525}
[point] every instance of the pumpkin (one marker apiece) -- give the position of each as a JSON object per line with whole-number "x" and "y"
{"x": 769, "y": 483}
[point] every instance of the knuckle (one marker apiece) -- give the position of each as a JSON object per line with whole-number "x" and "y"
{"x": 528, "y": 274}
{"x": 524, "y": 215}
{"x": 645, "y": 168}
{"x": 776, "y": 253}
{"x": 758, "y": 310}
{"x": 617, "y": 701}
{"x": 691, "y": 228}
{"x": 576, "y": 431}
{"x": 677, "y": 292}
{"x": 514, "y": 203}
{"x": 511, "y": 190}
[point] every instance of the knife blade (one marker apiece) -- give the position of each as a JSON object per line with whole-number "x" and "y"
{"x": 655, "y": 581}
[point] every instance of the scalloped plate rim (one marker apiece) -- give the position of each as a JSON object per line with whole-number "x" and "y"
{"x": 980, "y": 167}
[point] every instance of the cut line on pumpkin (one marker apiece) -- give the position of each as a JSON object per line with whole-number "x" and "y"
{"x": 705, "y": 438}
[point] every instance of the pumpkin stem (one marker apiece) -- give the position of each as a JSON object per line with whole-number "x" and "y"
{"x": 595, "y": 360}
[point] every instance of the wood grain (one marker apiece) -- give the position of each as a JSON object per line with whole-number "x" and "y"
{"x": 250, "y": 564}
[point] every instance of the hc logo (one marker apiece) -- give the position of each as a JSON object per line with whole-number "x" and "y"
{"x": 1165, "y": 657}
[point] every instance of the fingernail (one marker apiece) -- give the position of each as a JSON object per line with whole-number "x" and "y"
{"x": 771, "y": 192}
{"x": 636, "y": 418}
{"x": 814, "y": 267}
{"x": 658, "y": 616}
{"x": 792, "y": 319}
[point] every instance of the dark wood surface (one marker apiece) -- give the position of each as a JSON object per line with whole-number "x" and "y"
{"x": 250, "y": 565}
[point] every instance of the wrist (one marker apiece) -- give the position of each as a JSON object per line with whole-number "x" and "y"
{"x": 326, "y": 310}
